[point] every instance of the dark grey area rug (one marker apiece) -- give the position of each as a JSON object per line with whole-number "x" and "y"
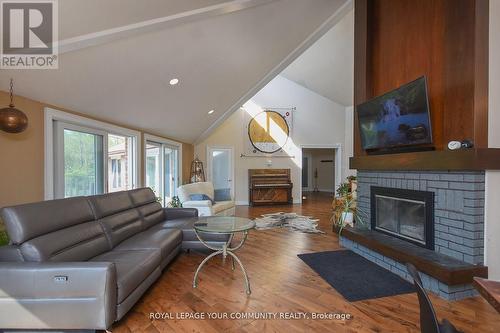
{"x": 355, "y": 277}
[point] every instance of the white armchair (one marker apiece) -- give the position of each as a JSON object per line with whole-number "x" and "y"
{"x": 205, "y": 207}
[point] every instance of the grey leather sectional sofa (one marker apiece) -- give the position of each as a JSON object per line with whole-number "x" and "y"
{"x": 82, "y": 263}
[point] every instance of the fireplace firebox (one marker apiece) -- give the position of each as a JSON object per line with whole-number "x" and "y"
{"x": 405, "y": 214}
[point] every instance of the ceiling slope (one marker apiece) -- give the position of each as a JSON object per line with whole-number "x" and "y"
{"x": 327, "y": 67}
{"x": 218, "y": 59}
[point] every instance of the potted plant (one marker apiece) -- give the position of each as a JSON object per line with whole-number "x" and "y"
{"x": 345, "y": 209}
{"x": 175, "y": 203}
{"x": 4, "y": 239}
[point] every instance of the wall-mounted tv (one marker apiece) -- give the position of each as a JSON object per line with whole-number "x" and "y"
{"x": 399, "y": 118}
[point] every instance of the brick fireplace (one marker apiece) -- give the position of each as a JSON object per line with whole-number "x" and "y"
{"x": 457, "y": 219}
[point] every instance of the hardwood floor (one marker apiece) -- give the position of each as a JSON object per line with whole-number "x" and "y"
{"x": 281, "y": 282}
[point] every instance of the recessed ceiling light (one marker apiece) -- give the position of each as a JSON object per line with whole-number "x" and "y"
{"x": 173, "y": 82}
{"x": 211, "y": 111}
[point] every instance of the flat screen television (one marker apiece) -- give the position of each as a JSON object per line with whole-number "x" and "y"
{"x": 399, "y": 118}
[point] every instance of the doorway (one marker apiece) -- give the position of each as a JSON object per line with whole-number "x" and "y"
{"x": 319, "y": 171}
{"x": 221, "y": 171}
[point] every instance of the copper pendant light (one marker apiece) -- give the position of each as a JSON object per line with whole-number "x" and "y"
{"x": 12, "y": 120}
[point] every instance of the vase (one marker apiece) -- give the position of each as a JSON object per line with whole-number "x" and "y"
{"x": 348, "y": 218}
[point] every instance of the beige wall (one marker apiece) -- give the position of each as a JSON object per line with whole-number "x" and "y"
{"x": 22, "y": 155}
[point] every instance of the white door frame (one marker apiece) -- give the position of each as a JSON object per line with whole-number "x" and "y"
{"x": 209, "y": 164}
{"x": 338, "y": 161}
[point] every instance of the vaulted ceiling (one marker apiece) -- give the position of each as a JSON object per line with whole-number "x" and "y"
{"x": 118, "y": 56}
{"x": 327, "y": 67}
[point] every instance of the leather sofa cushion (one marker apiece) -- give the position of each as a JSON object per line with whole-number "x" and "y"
{"x": 111, "y": 203}
{"x": 132, "y": 268}
{"x": 164, "y": 239}
{"x": 28, "y": 221}
{"x": 121, "y": 226}
{"x": 142, "y": 196}
{"x": 77, "y": 243}
{"x": 188, "y": 233}
{"x": 151, "y": 214}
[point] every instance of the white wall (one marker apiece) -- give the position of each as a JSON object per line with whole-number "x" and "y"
{"x": 317, "y": 121}
{"x": 492, "y": 232}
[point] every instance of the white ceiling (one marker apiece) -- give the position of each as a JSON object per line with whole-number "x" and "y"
{"x": 327, "y": 67}
{"x": 75, "y": 15}
{"x": 217, "y": 57}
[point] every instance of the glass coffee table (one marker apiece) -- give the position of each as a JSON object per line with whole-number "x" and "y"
{"x": 223, "y": 225}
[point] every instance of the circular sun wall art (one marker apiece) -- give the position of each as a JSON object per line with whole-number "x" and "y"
{"x": 268, "y": 132}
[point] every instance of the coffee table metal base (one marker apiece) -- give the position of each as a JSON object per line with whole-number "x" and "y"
{"x": 224, "y": 251}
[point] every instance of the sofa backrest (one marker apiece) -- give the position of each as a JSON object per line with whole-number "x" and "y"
{"x": 80, "y": 228}
{"x": 185, "y": 191}
{"x": 117, "y": 214}
{"x": 150, "y": 210}
{"x": 55, "y": 230}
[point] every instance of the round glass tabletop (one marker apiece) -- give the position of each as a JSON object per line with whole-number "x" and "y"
{"x": 223, "y": 224}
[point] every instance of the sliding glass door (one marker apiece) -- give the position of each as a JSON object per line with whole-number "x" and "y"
{"x": 81, "y": 165}
{"x": 171, "y": 179}
{"x": 153, "y": 167}
{"x": 89, "y": 161}
{"x": 162, "y": 169}
{"x": 120, "y": 163}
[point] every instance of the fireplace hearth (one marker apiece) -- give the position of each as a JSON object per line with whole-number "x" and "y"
{"x": 405, "y": 214}
{"x": 452, "y": 203}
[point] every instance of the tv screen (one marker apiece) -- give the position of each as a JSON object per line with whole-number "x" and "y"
{"x": 397, "y": 118}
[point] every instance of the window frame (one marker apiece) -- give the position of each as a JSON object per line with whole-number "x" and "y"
{"x": 163, "y": 142}
{"x": 52, "y": 115}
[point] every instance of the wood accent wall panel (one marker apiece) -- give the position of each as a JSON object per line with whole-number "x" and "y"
{"x": 445, "y": 40}
{"x": 362, "y": 86}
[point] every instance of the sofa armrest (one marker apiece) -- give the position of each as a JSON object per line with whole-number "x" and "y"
{"x": 197, "y": 203}
{"x": 57, "y": 295}
{"x": 10, "y": 253}
{"x": 204, "y": 207}
{"x": 177, "y": 213}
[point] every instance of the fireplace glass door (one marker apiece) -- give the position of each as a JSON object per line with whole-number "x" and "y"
{"x": 404, "y": 214}
{"x": 403, "y": 217}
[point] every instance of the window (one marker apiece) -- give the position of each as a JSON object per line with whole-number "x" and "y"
{"x": 163, "y": 165}
{"x": 87, "y": 157}
{"x": 153, "y": 166}
{"x": 79, "y": 164}
{"x": 120, "y": 163}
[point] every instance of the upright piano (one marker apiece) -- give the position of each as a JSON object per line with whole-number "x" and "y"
{"x": 270, "y": 187}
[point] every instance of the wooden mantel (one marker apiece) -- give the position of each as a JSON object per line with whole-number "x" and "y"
{"x": 466, "y": 159}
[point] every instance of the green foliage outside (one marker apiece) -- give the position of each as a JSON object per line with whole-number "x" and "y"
{"x": 80, "y": 162}
{"x": 4, "y": 239}
{"x": 175, "y": 203}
